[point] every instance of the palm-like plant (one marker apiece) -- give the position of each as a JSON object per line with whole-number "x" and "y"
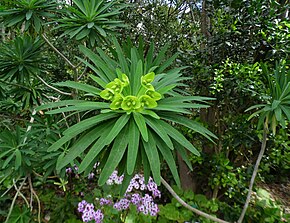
{"x": 135, "y": 125}
{"x": 20, "y": 58}
{"x": 275, "y": 111}
{"x": 277, "y": 107}
{"x": 91, "y": 20}
{"x": 29, "y": 13}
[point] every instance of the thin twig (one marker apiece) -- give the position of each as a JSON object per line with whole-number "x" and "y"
{"x": 263, "y": 147}
{"x": 53, "y": 88}
{"x": 83, "y": 73}
{"x": 58, "y": 52}
{"x": 14, "y": 200}
{"x": 201, "y": 213}
{"x": 37, "y": 198}
{"x": 18, "y": 190}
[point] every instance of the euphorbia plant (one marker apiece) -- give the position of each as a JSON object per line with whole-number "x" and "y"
{"x": 275, "y": 111}
{"x": 138, "y": 104}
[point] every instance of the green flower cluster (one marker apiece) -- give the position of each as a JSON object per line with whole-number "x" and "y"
{"x": 146, "y": 97}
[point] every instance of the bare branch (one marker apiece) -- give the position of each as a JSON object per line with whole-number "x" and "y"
{"x": 58, "y": 52}
{"x": 263, "y": 147}
{"x": 201, "y": 213}
{"x": 53, "y": 88}
{"x": 14, "y": 200}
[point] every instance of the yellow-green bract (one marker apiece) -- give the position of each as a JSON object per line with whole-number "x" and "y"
{"x": 146, "y": 98}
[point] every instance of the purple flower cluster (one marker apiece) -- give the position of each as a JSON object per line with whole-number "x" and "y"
{"x": 122, "y": 204}
{"x": 144, "y": 204}
{"x": 133, "y": 196}
{"x": 104, "y": 201}
{"x": 88, "y": 212}
{"x": 147, "y": 206}
{"x": 138, "y": 182}
{"x": 115, "y": 179}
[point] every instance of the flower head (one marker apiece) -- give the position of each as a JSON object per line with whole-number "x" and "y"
{"x": 115, "y": 86}
{"x": 116, "y": 103}
{"x": 107, "y": 94}
{"x": 146, "y": 101}
{"x": 154, "y": 95}
{"x": 147, "y": 79}
{"x": 130, "y": 103}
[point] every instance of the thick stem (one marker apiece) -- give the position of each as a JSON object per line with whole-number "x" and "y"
{"x": 201, "y": 213}
{"x": 263, "y": 147}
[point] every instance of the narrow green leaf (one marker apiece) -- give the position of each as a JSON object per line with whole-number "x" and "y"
{"x": 18, "y": 159}
{"x": 178, "y": 137}
{"x": 28, "y": 14}
{"x": 81, "y": 107}
{"x": 150, "y": 113}
{"x": 171, "y": 108}
{"x": 95, "y": 149}
{"x": 153, "y": 158}
{"x": 167, "y": 155}
{"x": 101, "y": 31}
{"x": 121, "y": 57}
{"x": 98, "y": 80}
{"x": 140, "y": 121}
{"x": 183, "y": 153}
{"x": 59, "y": 104}
{"x": 80, "y": 146}
{"x": 197, "y": 127}
{"x": 90, "y": 25}
{"x": 80, "y": 86}
{"x": 135, "y": 85}
{"x": 161, "y": 55}
{"x": 82, "y": 34}
{"x": 118, "y": 127}
{"x": 133, "y": 146}
{"x": 146, "y": 165}
{"x": 78, "y": 128}
{"x": 286, "y": 110}
{"x": 167, "y": 63}
{"x": 116, "y": 154}
{"x": 87, "y": 123}
{"x": 157, "y": 126}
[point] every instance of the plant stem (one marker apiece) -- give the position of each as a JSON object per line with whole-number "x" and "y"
{"x": 37, "y": 198}
{"x": 14, "y": 200}
{"x": 201, "y": 213}
{"x": 53, "y": 88}
{"x": 58, "y": 52}
{"x": 263, "y": 147}
{"x": 17, "y": 189}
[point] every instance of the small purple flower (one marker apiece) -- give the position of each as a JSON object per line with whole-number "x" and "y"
{"x": 104, "y": 201}
{"x": 123, "y": 204}
{"x": 91, "y": 176}
{"x": 68, "y": 170}
{"x": 76, "y": 168}
{"x": 82, "y": 205}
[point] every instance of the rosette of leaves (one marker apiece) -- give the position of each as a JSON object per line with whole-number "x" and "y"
{"x": 135, "y": 140}
{"x": 91, "y": 20}
{"x": 20, "y": 58}
{"x": 276, "y": 109}
{"x": 30, "y": 13}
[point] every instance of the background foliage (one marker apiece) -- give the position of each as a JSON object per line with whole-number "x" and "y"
{"x": 229, "y": 50}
